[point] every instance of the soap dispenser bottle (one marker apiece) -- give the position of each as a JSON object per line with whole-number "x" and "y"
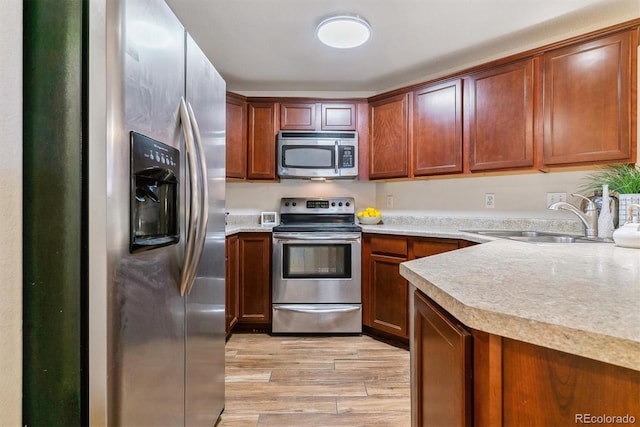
{"x": 605, "y": 219}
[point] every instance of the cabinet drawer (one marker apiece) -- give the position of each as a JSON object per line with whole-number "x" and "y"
{"x": 423, "y": 247}
{"x": 389, "y": 245}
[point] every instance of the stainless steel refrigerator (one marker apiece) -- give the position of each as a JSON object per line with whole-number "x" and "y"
{"x": 156, "y": 220}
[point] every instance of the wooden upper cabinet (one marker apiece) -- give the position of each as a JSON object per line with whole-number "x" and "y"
{"x": 501, "y": 104}
{"x": 389, "y": 137}
{"x": 437, "y": 129}
{"x": 339, "y": 116}
{"x": 317, "y": 116}
{"x": 298, "y": 116}
{"x": 236, "y": 148}
{"x": 262, "y": 130}
{"x": 588, "y": 101}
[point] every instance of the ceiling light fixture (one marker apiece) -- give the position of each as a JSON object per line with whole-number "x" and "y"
{"x": 344, "y": 31}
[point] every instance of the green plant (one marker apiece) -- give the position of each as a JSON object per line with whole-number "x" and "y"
{"x": 621, "y": 178}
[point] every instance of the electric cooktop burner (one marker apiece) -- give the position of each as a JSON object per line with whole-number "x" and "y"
{"x": 332, "y": 214}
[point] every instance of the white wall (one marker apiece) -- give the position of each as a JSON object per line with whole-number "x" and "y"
{"x": 11, "y": 224}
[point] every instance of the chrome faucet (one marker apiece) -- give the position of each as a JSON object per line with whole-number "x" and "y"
{"x": 589, "y": 217}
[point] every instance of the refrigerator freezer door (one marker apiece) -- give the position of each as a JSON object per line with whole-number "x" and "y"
{"x": 205, "y": 315}
{"x": 146, "y": 313}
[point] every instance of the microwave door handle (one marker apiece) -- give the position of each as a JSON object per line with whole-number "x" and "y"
{"x": 203, "y": 193}
{"x": 337, "y": 152}
{"x": 193, "y": 199}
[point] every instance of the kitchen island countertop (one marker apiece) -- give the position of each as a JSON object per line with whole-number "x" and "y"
{"x": 581, "y": 298}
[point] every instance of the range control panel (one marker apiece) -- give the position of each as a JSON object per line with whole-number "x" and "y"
{"x": 331, "y": 205}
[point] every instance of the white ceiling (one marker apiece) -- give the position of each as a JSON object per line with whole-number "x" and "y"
{"x": 270, "y": 45}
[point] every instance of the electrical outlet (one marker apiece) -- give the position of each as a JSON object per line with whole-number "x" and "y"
{"x": 489, "y": 200}
{"x": 556, "y": 197}
{"x": 389, "y": 201}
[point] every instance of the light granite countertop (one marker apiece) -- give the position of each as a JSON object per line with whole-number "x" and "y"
{"x": 247, "y": 228}
{"x": 581, "y": 298}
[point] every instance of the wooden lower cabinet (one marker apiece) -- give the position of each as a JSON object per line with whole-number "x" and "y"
{"x": 253, "y": 279}
{"x": 232, "y": 258}
{"x": 389, "y": 296}
{"x": 385, "y": 293}
{"x": 443, "y": 354}
{"x": 465, "y": 377}
{"x": 420, "y": 247}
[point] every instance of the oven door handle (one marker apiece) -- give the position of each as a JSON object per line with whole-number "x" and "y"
{"x": 313, "y": 237}
{"x": 312, "y": 310}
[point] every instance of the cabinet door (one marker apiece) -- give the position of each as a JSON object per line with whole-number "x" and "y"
{"x": 437, "y": 129}
{"x": 389, "y": 295}
{"x": 388, "y": 138}
{"x": 384, "y": 291}
{"x": 263, "y": 128}
{"x": 501, "y": 117}
{"x": 298, "y": 116}
{"x": 587, "y": 101}
{"x": 443, "y": 361}
{"x": 232, "y": 282}
{"x": 338, "y": 116}
{"x": 254, "y": 293}
{"x": 236, "y": 148}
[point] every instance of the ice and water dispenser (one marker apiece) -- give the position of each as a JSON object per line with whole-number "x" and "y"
{"x": 155, "y": 172}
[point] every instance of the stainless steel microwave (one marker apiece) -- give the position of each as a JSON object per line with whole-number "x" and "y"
{"x": 315, "y": 155}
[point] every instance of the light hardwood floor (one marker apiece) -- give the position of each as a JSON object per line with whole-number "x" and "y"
{"x": 315, "y": 381}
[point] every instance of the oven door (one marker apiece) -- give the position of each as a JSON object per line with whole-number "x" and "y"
{"x": 316, "y": 267}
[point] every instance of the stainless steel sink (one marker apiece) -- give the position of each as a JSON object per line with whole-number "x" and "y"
{"x": 537, "y": 236}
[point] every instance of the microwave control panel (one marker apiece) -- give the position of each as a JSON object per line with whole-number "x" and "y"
{"x": 346, "y": 154}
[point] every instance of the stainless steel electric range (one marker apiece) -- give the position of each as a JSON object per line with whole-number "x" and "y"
{"x": 316, "y": 267}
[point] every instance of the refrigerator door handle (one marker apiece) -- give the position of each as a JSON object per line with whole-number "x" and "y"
{"x": 204, "y": 200}
{"x": 194, "y": 209}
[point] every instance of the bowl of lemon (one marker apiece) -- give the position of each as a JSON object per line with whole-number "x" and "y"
{"x": 369, "y": 216}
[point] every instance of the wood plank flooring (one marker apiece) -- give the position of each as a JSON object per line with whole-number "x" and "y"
{"x": 315, "y": 381}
